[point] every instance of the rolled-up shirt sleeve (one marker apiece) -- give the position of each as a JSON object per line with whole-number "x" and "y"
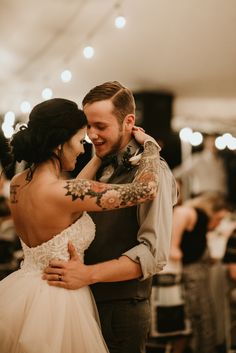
{"x": 155, "y": 220}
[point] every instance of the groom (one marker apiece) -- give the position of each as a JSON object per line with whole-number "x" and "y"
{"x": 131, "y": 244}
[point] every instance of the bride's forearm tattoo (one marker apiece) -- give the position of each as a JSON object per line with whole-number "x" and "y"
{"x": 110, "y": 196}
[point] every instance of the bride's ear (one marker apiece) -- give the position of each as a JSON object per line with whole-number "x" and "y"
{"x": 58, "y": 150}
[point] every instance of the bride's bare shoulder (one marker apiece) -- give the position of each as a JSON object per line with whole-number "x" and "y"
{"x": 19, "y": 178}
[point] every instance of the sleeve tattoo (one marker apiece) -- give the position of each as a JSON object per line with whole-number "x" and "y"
{"x": 111, "y": 196}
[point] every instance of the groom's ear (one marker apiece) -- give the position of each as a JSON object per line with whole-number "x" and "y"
{"x": 129, "y": 122}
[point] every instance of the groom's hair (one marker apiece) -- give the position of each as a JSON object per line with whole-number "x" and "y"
{"x": 121, "y": 97}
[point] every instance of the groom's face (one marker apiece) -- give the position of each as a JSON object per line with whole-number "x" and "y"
{"x": 104, "y": 130}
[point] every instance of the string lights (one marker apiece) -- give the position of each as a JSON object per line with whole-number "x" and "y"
{"x": 47, "y": 93}
{"x": 66, "y": 76}
{"x": 187, "y": 135}
{"x": 88, "y": 50}
{"x": 120, "y": 20}
{"x": 226, "y": 141}
{"x": 8, "y": 123}
{"x": 25, "y": 107}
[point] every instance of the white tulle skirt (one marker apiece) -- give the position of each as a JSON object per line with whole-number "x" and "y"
{"x": 38, "y": 318}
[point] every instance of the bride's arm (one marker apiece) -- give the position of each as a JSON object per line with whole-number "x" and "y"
{"x": 89, "y": 195}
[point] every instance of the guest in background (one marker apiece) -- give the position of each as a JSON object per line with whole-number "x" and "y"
{"x": 4, "y": 185}
{"x": 9, "y": 242}
{"x": 229, "y": 260}
{"x": 7, "y": 169}
{"x": 7, "y": 229}
{"x": 203, "y": 171}
{"x": 191, "y": 222}
{"x": 230, "y": 256}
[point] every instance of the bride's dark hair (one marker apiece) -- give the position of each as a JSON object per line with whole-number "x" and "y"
{"x": 51, "y": 123}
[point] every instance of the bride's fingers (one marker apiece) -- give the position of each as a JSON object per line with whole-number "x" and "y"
{"x": 138, "y": 128}
{"x": 52, "y": 277}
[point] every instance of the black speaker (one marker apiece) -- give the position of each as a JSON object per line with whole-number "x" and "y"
{"x": 154, "y": 112}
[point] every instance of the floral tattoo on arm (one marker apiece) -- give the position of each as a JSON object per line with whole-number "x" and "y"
{"x": 13, "y": 193}
{"x": 112, "y": 196}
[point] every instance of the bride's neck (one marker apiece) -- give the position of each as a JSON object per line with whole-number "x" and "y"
{"x": 51, "y": 166}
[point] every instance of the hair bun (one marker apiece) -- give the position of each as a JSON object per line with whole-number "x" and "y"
{"x": 22, "y": 144}
{"x": 51, "y": 123}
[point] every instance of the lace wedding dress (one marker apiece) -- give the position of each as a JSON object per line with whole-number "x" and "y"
{"x": 38, "y": 318}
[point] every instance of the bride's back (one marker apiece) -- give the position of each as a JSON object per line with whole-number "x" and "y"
{"x": 36, "y": 215}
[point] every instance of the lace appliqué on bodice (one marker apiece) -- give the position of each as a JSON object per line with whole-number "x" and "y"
{"x": 81, "y": 234}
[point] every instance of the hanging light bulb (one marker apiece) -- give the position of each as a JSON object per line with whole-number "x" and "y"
{"x": 231, "y": 144}
{"x": 9, "y": 118}
{"x": 88, "y": 52}
{"x": 7, "y": 129}
{"x": 66, "y": 76}
{"x": 47, "y": 93}
{"x": 220, "y": 143}
{"x": 185, "y": 134}
{"x": 25, "y": 107}
{"x": 7, "y": 125}
{"x": 120, "y": 22}
{"x": 196, "y": 138}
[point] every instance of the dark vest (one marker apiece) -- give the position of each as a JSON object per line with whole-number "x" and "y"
{"x": 116, "y": 232}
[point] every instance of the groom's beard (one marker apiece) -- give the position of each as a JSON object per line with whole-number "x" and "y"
{"x": 111, "y": 149}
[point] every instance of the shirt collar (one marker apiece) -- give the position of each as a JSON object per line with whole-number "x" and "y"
{"x": 121, "y": 158}
{"x": 127, "y": 152}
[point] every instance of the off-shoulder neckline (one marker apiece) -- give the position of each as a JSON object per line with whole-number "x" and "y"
{"x": 58, "y": 235}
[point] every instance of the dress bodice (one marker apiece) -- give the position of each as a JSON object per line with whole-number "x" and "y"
{"x": 81, "y": 234}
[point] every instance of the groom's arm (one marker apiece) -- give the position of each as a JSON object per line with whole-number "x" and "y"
{"x": 74, "y": 274}
{"x": 155, "y": 219}
{"x": 140, "y": 262}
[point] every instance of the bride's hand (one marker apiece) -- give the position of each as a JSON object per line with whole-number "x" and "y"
{"x": 140, "y": 135}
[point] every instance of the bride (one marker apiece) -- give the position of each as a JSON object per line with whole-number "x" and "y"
{"x": 49, "y": 212}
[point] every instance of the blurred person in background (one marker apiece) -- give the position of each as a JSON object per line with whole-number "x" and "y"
{"x": 203, "y": 171}
{"x": 191, "y": 222}
{"x": 230, "y": 256}
{"x": 7, "y": 169}
{"x": 9, "y": 242}
{"x": 229, "y": 260}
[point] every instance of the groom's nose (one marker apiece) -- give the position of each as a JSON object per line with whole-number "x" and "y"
{"x": 92, "y": 134}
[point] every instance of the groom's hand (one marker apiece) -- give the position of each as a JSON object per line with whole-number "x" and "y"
{"x": 72, "y": 274}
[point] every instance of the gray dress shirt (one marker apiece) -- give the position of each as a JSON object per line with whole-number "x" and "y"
{"x": 155, "y": 220}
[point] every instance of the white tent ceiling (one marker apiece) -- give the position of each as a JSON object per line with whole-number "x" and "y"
{"x": 187, "y": 47}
